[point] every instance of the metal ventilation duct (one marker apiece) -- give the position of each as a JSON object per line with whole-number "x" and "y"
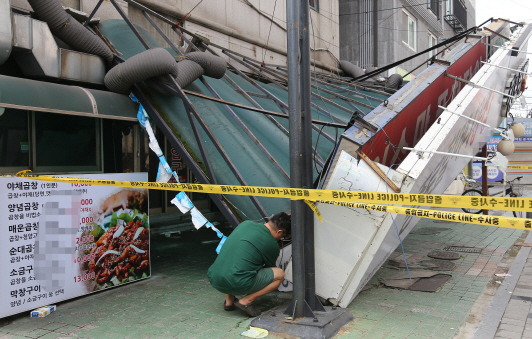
{"x": 37, "y": 53}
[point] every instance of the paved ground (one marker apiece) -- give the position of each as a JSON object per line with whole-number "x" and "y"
{"x": 517, "y": 319}
{"x": 178, "y": 302}
{"x": 510, "y": 312}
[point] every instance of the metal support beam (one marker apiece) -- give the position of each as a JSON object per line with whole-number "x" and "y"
{"x": 338, "y": 79}
{"x": 319, "y": 160}
{"x": 331, "y": 92}
{"x": 280, "y": 102}
{"x": 507, "y": 49}
{"x": 224, "y": 103}
{"x": 175, "y": 141}
{"x": 421, "y": 151}
{"x": 176, "y": 90}
{"x": 131, "y": 25}
{"x": 507, "y": 68}
{"x": 194, "y": 114}
{"x": 498, "y": 34}
{"x": 512, "y": 22}
{"x": 318, "y": 96}
{"x": 246, "y": 94}
{"x": 93, "y": 13}
{"x": 248, "y": 132}
{"x": 472, "y": 84}
{"x": 259, "y": 110}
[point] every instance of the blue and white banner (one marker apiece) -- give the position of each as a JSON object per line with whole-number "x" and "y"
{"x": 165, "y": 173}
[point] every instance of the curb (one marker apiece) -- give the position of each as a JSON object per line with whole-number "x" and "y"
{"x": 491, "y": 320}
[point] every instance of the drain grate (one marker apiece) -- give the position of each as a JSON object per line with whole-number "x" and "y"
{"x": 429, "y": 230}
{"x": 463, "y": 249}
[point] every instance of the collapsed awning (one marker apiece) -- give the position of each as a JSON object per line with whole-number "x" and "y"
{"x": 32, "y": 95}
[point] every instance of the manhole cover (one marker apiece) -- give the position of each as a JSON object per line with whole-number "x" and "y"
{"x": 437, "y": 254}
{"x": 429, "y": 230}
{"x": 438, "y": 265}
{"x": 463, "y": 249}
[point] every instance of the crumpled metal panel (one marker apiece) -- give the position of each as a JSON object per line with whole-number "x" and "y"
{"x": 253, "y": 165}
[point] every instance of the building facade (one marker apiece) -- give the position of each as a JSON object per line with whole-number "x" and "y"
{"x": 30, "y": 138}
{"x": 243, "y": 26}
{"x": 376, "y": 33}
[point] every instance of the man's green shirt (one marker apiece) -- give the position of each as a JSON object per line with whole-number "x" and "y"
{"x": 249, "y": 248}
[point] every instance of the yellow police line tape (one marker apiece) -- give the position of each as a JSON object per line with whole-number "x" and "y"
{"x": 452, "y": 201}
{"x": 520, "y": 167}
{"x": 478, "y": 219}
{"x": 314, "y": 209}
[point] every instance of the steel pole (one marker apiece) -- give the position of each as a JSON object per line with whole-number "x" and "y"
{"x": 306, "y": 112}
{"x": 294, "y": 113}
{"x": 485, "y": 189}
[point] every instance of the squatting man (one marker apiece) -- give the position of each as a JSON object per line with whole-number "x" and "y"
{"x": 246, "y": 263}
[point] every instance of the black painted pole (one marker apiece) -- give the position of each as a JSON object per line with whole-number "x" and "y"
{"x": 307, "y": 170}
{"x": 296, "y": 308}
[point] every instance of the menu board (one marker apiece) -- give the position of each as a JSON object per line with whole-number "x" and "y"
{"x": 61, "y": 240}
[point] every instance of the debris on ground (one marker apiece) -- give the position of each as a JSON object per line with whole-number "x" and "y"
{"x": 255, "y": 332}
{"x": 42, "y": 312}
{"x": 423, "y": 281}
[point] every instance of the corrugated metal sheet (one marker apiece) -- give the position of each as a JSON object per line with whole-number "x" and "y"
{"x": 253, "y": 165}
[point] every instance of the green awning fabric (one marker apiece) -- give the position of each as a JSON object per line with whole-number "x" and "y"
{"x": 42, "y": 96}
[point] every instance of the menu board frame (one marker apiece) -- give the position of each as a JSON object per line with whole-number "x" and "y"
{"x": 62, "y": 240}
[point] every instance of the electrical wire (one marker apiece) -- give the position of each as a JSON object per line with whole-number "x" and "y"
{"x": 330, "y": 115}
{"x": 395, "y": 226}
{"x": 269, "y": 32}
{"x": 264, "y": 14}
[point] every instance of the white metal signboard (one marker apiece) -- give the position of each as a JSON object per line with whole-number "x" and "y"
{"x": 61, "y": 241}
{"x": 350, "y": 246}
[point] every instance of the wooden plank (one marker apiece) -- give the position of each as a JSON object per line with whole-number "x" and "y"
{"x": 378, "y": 171}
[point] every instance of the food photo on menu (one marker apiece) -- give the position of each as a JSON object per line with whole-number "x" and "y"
{"x": 114, "y": 246}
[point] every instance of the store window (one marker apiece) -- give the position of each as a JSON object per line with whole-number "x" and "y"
{"x": 14, "y": 140}
{"x": 409, "y": 30}
{"x": 314, "y": 4}
{"x": 66, "y": 143}
{"x": 59, "y": 143}
{"x": 125, "y": 147}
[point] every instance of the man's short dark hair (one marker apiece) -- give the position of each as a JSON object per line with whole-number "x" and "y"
{"x": 282, "y": 221}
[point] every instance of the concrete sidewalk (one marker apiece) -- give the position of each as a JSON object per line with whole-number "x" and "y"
{"x": 178, "y": 302}
{"x": 510, "y": 312}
